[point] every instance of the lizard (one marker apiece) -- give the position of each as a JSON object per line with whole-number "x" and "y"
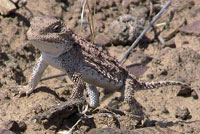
{"x": 85, "y": 64}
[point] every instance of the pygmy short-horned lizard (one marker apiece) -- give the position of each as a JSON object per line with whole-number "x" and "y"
{"x": 85, "y": 64}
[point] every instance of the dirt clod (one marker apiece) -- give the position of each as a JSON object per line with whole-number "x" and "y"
{"x": 194, "y": 94}
{"x": 6, "y": 131}
{"x": 184, "y": 91}
{"x": 171, "y": 43}
{"x": 164, "y": 110}
{"x": 183, "y": 114}
{"x": 125, "y": 30}
{"x": 193, "y": 28}
{"x": 15, "y": 126}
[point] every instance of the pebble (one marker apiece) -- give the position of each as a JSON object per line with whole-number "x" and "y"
{"x": 125, "y": 30}
{"x": 183, "y": 114}
{"x": 140, "y": 57}
{"x": 194, "y": 95}
{"x": 101, "y": 39}
{"x": 151, "y": 109}
{"x": 164, "y": 72}
{"x": 171, "y": 43}
{"x": 193, "y": 28}
{"x": 150, "y": 76}
{"x": 184, "y": 91}
{"x": 6, "y": 131}
{"x": 12, "y": 125}
{"x": 15, "y": 126}
{"x": 137, "y": 69}
{"x": 164, "y": 110}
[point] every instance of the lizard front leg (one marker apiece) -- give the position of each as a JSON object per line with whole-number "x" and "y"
{"x": 38, "y": 70}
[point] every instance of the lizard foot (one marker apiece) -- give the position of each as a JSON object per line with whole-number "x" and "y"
{"x": 23, "y": 91}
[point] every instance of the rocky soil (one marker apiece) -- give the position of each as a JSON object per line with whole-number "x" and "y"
{"x": 169, "y": 51}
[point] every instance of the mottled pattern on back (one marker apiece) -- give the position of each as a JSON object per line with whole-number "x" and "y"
{"x": 100, "y": 61}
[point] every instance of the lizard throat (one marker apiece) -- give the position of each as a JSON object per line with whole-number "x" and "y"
{"x": 53, "y": 49}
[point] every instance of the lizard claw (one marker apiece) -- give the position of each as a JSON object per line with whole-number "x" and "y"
{"x": 23, "y": 92}
{"x": 29, "y": 92}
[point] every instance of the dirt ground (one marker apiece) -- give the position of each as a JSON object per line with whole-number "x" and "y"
{"x": 178, "y": 59}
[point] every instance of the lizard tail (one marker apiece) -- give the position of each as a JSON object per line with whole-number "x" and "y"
{"x": 151, "y": 85}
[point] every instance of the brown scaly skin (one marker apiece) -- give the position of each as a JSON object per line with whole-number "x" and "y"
{"x": 84, "y": 63}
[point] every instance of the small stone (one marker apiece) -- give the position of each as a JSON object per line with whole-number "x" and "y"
{"x": 125, "y": 30}
{"x": 150, "y": 76}
{"x": 193, "y": 28}
{"x": 125, "y": 4}
{"x": 194, "y": 95}
{"x": 100, "y": 16}
{"x": 102, "y": 5}
{"x": 6, "y": 96}
{"x": 15, "y": 126}
{"x": 63, "y": 91}
{"x": 3, "y": 113}
{"x": 136, "y": 2}
{"x": 144, "y": 99}
{"x": 137, "y": 69}
{"x": 111, "y": 3}
{"x": 149, "y": 123}
{"x": 12, "y": 125}
{"x": 151, "y": 109}
{"x": 185, "y": 42}
{"x": 22, "y": 126}
{"x": 99, "y": 26}
{"x": 183, "y": 114}
{"x": 6, "y": 131}
{"x": 140, "y": 57}
{"x": 190, "y": 130}
{"x": 184, "y": 91}
{"x": 6, "y": 7}
{"x": 164, "y": 72}
{"x": 171, "y": 43}
{"x": 164, "y": 110}
{"x": 102, "y": 40}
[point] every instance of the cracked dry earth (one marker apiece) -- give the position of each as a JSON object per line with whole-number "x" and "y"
{"x": 170, "y": 110}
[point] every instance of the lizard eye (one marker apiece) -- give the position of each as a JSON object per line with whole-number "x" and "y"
{"x": 57, "y": 28}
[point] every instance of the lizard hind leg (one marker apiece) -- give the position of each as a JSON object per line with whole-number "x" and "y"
{"x": 131, "y": 85}
{"x": 79, "y": 86}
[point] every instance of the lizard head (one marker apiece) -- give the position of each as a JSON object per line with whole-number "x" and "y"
{"x": 50, "y": 35}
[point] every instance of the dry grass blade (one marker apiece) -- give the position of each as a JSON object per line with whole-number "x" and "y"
{"x": 90, "y": 17}
{"x": 91, "y": 22}
{"x": 83, "y": 3}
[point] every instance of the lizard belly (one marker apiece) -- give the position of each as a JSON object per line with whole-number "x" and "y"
{"x": 91, "y": 76}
